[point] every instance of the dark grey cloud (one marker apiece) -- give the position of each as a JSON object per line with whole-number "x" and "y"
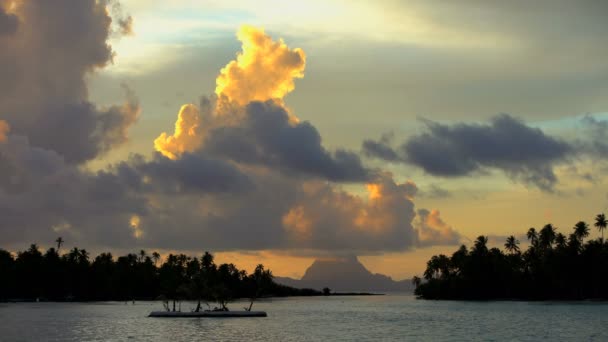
{"x": 194, "y": 173}
{"x": 8, "y": 22}
{"x": 43, "y": 67}
{"x": 523, "y": 153}
{"x": 266, "y": 136}
{"x": 596, "y": 137}
{"x": 194, "y": 202}
{"x": 42, "y": 195}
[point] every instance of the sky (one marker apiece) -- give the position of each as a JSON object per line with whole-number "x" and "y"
{"x": 280, "y": 132}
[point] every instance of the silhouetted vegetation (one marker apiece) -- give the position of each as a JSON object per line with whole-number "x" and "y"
{"x": 554, "y": 266}
{"x": 34, "y": 275}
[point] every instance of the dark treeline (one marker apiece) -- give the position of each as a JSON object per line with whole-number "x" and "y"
{"x": 554, "y": 266}
{"x": 37, "y": 275}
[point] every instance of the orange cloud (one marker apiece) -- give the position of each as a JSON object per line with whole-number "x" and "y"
{"x": 327, "y": 213}
{"x": 4, "y": 129}
{"x": 432, "y": 230}
{"x": 264, "y": 70}
{"x": 384, "y": 195}
{"x": 134, "y": 223}
{"x": 186, "y": 137}
{"x": 297, "y": 224}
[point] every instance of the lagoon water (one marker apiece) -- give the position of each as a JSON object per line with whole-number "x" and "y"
{"x": 394, "y": 317}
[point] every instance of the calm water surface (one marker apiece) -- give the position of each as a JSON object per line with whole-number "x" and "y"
{"x": 379, "y": 318}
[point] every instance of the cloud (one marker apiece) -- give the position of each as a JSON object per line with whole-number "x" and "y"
{"x": 4, "y": 129}
{"x": 43, "y": 69}
{"x": 432, "y": 230}
{"x": 266, "y": 136}
{"x": 8, "y": 22}
{"x": 232, "y": 175}
{"x": 186, "y": 137}
{"x": 264, "y": 70}
{"x": 330, "y": 219}
{"x": 435, "y": 191}
{"x": 595, "y": 138}
{"x": 523, "y": 153}
{"x": 248, "y": 123}
{"x": 193, "y": 173}
{"x": 124, "y": 22}
{"x": 41, "y": 196}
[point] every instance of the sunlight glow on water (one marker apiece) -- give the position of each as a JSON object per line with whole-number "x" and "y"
{"x": 385, "y": 318}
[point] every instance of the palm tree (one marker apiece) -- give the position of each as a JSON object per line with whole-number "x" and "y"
{"x": 480, "y": 245}
{"x": 432, "y": 268}
{"x": 155, "y": 257}
{"x": 59, "y": 243}
{"x": 512, "y": 245}
{"x": 601, "y": 223}
{"x": 581, "y": 230}
{"x": 547, "y": 236}
{"x": 532, "y": 236}
{"x": 560, "y": 240}
{"x": 142, "y": 255}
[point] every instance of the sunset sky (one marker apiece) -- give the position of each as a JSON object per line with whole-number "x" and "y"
{"x": 280, "y": 132}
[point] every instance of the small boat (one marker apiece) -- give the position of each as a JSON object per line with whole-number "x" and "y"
{"x": 208, "y": 314}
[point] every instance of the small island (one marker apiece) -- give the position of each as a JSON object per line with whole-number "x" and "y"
{"x": 553, "y": 267}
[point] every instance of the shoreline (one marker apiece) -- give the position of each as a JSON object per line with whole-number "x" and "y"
{"x": 40, "y": 300}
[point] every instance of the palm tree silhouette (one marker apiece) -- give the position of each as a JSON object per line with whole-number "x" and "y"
{"x": 560, "y": 240}
{"x": 581, "y": 230}
{"x": 155, "y": 257}
{"x": 512, "y": 244}
{"x": 547, "y": 236}
{"x": 601, "y": 223}
{"x": 532, "y": 236}
{"x": 59, "y": 243}
{"x": 480, "y": 245}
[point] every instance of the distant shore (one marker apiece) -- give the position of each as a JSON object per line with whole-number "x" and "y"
{"x": 43, "y": 300}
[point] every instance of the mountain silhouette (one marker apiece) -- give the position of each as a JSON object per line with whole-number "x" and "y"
{"x": 344, "y": 274}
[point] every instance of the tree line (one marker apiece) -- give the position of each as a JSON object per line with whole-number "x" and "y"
{"x": 51, "y": 276}
{"x": 554, "y": 266}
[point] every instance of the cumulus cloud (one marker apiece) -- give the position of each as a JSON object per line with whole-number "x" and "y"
{"x": 432, "y": 230}
{"x": 238, "y": 172}
{"x": 267, "y": 136}
{"x": 247, "y": 122}
{"x": 264, "y": 70}
{"x": 523, "y": 153}
{"x": 41, "y": 195}
{"x": 187, "y": 136}
{"x": 43, "y": 70}
{"x": 332, "y": 219}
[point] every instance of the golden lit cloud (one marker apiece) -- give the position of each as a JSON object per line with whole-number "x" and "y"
{"x": 378, "y": 215}
{"x": 264, "y": 70}
{"x": 328, "y": 213}
{"x": 185, "y": 138}
{"x": 4, "y": 129}
{"x": 374, "y": 191}
{"x": 134, "y": 223}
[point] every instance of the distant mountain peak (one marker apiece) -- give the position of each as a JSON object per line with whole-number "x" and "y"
{"x": 345, "y": 274}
